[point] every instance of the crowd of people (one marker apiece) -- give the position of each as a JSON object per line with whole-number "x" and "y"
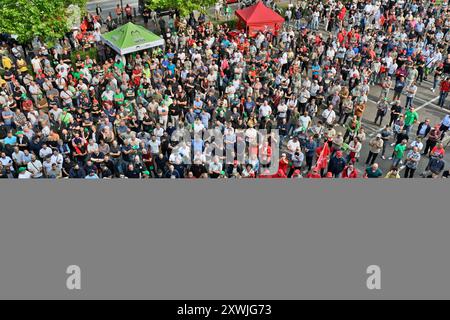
{"x": 65, "y": 114}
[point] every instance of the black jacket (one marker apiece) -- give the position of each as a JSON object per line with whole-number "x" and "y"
{"x": 420, "y": 128}
{"x": 336, "y": 165}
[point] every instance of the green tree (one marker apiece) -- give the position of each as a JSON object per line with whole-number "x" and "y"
{"x": 46, "y": 19}
{"x": 184, "y": 6}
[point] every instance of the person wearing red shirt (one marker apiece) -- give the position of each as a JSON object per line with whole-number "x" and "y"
{"x": 445, "y": 89}
{"x": 297, "y": 174}
{"x": 350, "y": 171}
{"x": 437, "y": 151}
{"x": 280, "y": 174}
{"x": 283, "y": 163}
{"x": 314, "y": 174}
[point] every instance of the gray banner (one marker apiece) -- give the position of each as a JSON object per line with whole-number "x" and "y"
{"x": 271, "y": 239}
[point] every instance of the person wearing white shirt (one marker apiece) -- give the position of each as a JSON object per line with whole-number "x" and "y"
{"x": 60, "y": 82}
{"x": 35, "y": 167}
{"x": 198, "y": 126}
{"x": 154, "y": 145}
{"x": 329, "y": 115}
{"x": 282, "y": 110}
{"x": 251, "y": 135}
{"x": 24, "y": 173}
{"x": 417, "y": 143}
{"x": 57, "y": 158}
{"x": 158, "y": 131}
{"x": 6, "y": 161}
{"x": 293, "y": 144}
{"x": 305, "y": 120}
{"x": 108, "y": 95}
{"x": 63, "y": 69}
{"x": 410, "y": 94}
{"x": 265, "y": 110}
{"x": 36, "y": 63}
{"x": 175, "y": 157}
{"x": 66, "y": 96}
{"x": 45, "y": 151}
{"x": 18, "y": 156}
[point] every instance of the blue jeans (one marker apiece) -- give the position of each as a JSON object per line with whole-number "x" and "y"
{"x": 409, "y": 101}
{"x": 396, "y": 162}
{"x": 442, "y": 97}
{"x": 407, "y": 129}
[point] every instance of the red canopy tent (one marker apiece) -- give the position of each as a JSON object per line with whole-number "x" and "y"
{"x": 259, "y": 18}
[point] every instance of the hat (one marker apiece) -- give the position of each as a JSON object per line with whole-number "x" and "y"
{"x": 22, "y": 169}
{"x": 19, "y": 132}
{"x": 378, "y": 135}
{"x": 147, "y": 173}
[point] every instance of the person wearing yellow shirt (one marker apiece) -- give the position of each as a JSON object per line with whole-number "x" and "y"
{"x": 22, "y": 65}
{"x": 393, "y": 174}
{"x": 6, "y": 62}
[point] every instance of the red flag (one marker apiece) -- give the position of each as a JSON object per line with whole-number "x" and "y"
{"x": 322, "y": 161}
{"x": 341, "y": 14}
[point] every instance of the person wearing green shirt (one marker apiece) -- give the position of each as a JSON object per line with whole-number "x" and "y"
{"x": 352, "y": 128}
{"x": 65, "y": 117}
{"x": 411, "y": 117}
{"x": 373, "y": 171}
{"x": 119, "y": 98}
{"x": 399, "y": 151}
{"x": 146, "y": 71}
{"x": 119, "y": 64}
{"x": 76, "y": 74}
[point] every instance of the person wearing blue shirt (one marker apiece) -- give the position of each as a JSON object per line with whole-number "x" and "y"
{"x": 204, "y": 117}
{"x": 7, "y": 116}
{"x": 92, "y": 176}
{"x": 190, "y": 116}
{"x": 27, "y": 157}
{"x": 171, "y": 68}
{"x": 225, "y": 43}
{"x": 310, "y": 149}
{"x": 198, "y": 144}
{"x": 409, "y": 51}
{"x": 10, "y": 139}
{"x": 445, "y": 125}
{"x": 315, "y": 69}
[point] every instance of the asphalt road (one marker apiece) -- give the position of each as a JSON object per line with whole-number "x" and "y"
{"x": 426, "y": 106}
{"x": 108, "y": 6}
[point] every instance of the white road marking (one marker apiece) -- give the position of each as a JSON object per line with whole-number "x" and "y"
{"x": 427, "y": 103}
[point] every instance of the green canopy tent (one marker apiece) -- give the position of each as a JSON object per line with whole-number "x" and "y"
{"x": 131, "y": 38}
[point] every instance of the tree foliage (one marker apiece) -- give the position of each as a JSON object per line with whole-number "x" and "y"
{"x": 184, "y": 6}
{"x": 27, "y": 19}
